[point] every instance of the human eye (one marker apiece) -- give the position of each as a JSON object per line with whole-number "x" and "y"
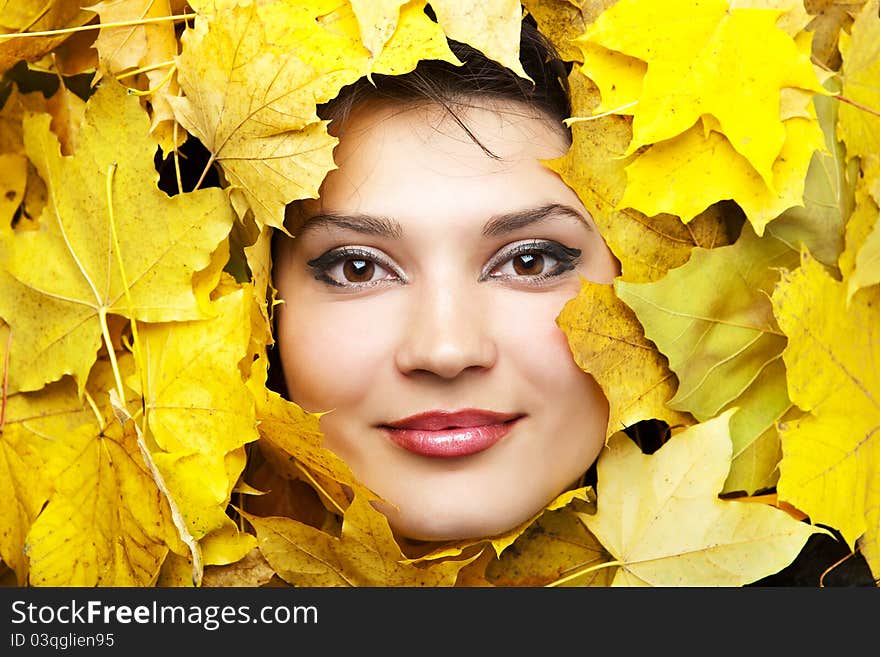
{"x": 354, "y": 267}
{"x": 531, "y": 261}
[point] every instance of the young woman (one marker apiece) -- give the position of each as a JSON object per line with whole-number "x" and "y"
{"x": 421, "y": 292}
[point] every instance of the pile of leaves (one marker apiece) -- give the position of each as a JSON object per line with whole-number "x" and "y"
{"x": 728, "y": 150}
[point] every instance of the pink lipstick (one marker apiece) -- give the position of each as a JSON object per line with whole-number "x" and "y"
{"x": 447, "y": 434}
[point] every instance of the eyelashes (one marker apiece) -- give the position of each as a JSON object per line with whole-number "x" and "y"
{"x": 531, "y": 262}
{"x": 529, "y": 252}
{"x": 324, "y": 267}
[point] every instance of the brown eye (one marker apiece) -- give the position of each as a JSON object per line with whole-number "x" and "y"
{"x": 358, "y": 270}
{"x": 528, "y": 264}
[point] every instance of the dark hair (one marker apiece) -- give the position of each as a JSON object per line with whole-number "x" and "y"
{"x": 449, "y": 86}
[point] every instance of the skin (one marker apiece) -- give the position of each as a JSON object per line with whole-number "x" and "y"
{"x": 442, "y": 324}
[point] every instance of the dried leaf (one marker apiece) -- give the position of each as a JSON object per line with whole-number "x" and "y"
{"x": 859, "y": 128}
{"x": 609, "y": 343}
{"x": 828, "y": 456}
{"x": 660, "y": 517}
{"x": 98, "y": 199}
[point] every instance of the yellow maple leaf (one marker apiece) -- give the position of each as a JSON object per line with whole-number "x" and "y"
{"x": 686, "y": 173}
{"x": 59, "y": 283}
{"x": 829, "y": 463}
{"x": 106, "y": 522}
{"x": 36, "y": 16}
{"x": 700, "y": 57}
{"x": 722, "y": 334}
{"x": 147, "y": 46}
{"x": 554, "y": 544}
{"x": 32, "y": 422}
{"x": 252, "y": 75}
{"x": 561, "y": 21}
{"x": 661, "y": 519}
{"x": 366, "y": 553}
{"x": 608, "y": 342}
{"x": 828, "y": 194}
{"x": 859, "y": 128}
{"x": 292, "y": 441}
{"x": 377, "y": 20}
{"x": 646, "y": 248}
{"x": 491, "y": 26}
{"x": 198, "y": 409}
{"x": 753, "y": 431}
{"x": 865, "y": 270}
{"x": 254, "y": 110}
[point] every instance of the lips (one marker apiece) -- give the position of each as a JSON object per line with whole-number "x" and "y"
{"x": 444, "y": 434}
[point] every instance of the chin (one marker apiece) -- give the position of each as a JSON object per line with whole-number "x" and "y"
{"x": 446, "y": 525}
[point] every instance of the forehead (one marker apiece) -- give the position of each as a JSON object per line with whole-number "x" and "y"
{"x": 396, "y": 161}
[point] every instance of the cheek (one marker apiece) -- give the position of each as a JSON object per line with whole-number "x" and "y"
{"x": 331, "y": 352}
{"x": 540, "y": 348}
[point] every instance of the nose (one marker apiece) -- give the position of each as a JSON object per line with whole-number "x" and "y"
{"x": 446, "y": 331}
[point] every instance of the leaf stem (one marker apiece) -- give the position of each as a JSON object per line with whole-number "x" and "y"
{"x": 162, "y": 82}
{"x": 98, "y": 26}
{"x": 111, "y": 173}
{"x": 105, "y": 332}
{"x": 145, "y": 69}
{"x": 584, "y": 571}
{"x": 176, "y": 156}
{"x": 614, "y": 110}
{"x": 207, "y": 168}
{"x": 864, "y": 108}
{"x": 318, "y": 486}
{"x": 5, "y": 380}
{"x": 98, "y": 415}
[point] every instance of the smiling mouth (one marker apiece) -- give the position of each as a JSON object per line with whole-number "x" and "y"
{"x": 443, "y": 434}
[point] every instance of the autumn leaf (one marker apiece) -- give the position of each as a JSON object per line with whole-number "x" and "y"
{"x": 660, "y": 517}
{"x": 251, "y": 570}
{"x": 36, "y": 16}
{"x": 366, "y": 553}
{"x": 646, "y": 248}
{"x": 149, "y": 47}
{"x": 32, "y": 421}
{"x": 491, "y": 26}
{"x": 720, "y": 335}
{"x": 377, "y": 20}
{"x": 818, "y": 224}
{"x": 198, "y": 409}
{"x": 723, "y": 344}
{"x": 686, "y": 45}
{"x": 105, "y": 522}
{"x": 564, "y": 20}
{"x": 550, "y": 547}
{"x": 859, "y": 128}
{"x": 863, "y": 231}
{"x": 255, "y": 112}
{"x": 58, "y": 284}
{"x": 754, "y": 431}
{"x": 689, "y": 172}
{"x": 608, "y": 342}
{"x": 252, "y": 75}
{"x": 829, "y": 456}
{"x": 292, "y": 440}
{"x": 829, "y": 19}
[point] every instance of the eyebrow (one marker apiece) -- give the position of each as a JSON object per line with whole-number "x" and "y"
{"x": 511, "y": 221}
{"x": 501, "y": 224}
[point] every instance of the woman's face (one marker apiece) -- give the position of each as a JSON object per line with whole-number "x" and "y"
{"x": 420, "y": 303}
